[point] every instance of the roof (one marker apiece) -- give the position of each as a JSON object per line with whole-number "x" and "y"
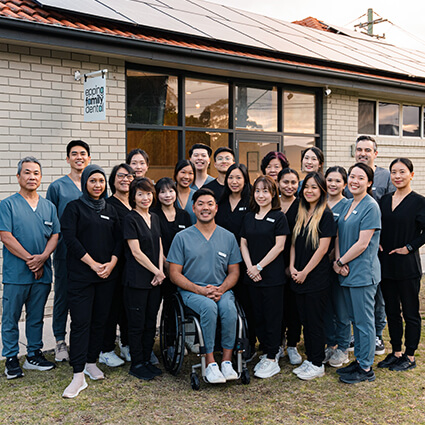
{"x": 299, "y": 45}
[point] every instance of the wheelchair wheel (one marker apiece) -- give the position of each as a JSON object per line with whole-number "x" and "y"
{"x": 194, "y": 381}
{"x": 172, "y": 335}
{"x": 245, "y": 378}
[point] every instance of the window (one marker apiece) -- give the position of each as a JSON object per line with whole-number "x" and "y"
{"x": 256, "y": 109}
{"x": 389, "y": 120}
{"x": 411, "y": 118}
{"x": 151, "y": 98}
{"x": 299, "y": 112}
{"x": 367, "y": 117}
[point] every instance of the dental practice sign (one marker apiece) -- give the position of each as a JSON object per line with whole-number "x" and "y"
{"x": 95, "y": 98}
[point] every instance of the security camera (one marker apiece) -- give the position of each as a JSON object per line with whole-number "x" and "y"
{"x": 328, "y": 91}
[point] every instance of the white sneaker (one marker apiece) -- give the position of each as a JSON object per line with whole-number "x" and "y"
{"x": 110, "y": 359}
{"x": 338, "y": 358}
{"x": 228, "y": 372}
{"x": 263, "y": 358}
{"x": 61, "y": 352}
{"x": 301, "y": 368}
{"x": 77, "y": 385}
{"x": 281, "y": 353}
{"x": 213, "y": 374}
{"x": 329, "y": 352}
{"x": 294, "y": 355}
{"x": 267, "y": 369}
{"x": 93, "y": 372}
{"x": 125, "y": 353}
{"x": 312, "y": 372}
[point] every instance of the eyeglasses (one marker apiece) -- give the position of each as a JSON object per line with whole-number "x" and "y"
{"x": 122, "y": 176}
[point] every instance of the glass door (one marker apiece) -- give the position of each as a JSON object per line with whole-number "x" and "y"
{"x": 251, "y": 148}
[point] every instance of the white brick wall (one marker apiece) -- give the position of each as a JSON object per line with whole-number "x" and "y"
{"x": 41, "y": 110}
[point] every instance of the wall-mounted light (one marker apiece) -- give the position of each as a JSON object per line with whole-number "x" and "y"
{"x": 328, "y": 91}
{"x": 197, "y": 105}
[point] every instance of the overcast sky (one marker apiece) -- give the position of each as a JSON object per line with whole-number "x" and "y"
{"x": 408, "y": 15}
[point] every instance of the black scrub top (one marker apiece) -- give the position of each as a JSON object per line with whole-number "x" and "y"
{"x": 232, "y": 220}
{"x": 291, "y": 216}
{"x": 135, "y": 227}
{"x": 319, "y": 278}
{"x": 261, "y": 238}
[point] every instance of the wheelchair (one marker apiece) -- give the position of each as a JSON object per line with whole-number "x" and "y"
{"x": 173, "y": 332}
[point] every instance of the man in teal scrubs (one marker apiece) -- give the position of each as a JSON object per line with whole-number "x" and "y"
{"x": 29, "y": 230}
{"x": 60, "y": 192}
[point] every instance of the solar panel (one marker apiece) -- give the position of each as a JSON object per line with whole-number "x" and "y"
{"x": 218, "y": 22}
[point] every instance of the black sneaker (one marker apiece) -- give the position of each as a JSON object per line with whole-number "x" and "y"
{"x": 141, "y": 371}
{"x": 403, "y": 363}
{"x": 388, "y": 361}
{"x": 38, "y": 362}
{"x": 12, "y": 369}
{"x": 379, "y": 347}
{"x": 347, "y": 369}
{"x": 156, "y": 371}
{"x": 358, "y": 375}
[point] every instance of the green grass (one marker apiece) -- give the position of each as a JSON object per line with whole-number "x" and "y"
{"x": 394, "y": 398}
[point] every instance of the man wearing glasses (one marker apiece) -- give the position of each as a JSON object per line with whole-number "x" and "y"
{"x": 60, "y": 192}
{"x": 223, "y": 158}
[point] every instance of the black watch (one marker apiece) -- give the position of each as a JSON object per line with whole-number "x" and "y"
{"x": 339, "y": 263}
{"x": 409, "y": 247}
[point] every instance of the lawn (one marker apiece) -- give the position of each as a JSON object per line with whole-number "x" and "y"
{"x": 394, "y": 398}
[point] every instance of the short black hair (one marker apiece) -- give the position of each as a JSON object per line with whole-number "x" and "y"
{"x": 165, "y": 183}
{"x": 135, "y": 152}
{"x": 370, "y": 139}
{"x": 74, "y": 143}
{"x": 182, "y": 163}
{"x": 142, "y": 183}
{"x": 223, "y": 149}
{"x": 201, "y": 192}
{"x": 200, "y": 146}
{"x": 368, "y": 171}
{"x": 114, "y": 172}
{"x": 273, "y": 155}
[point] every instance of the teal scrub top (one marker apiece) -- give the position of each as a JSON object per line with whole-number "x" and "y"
{"x": 32, "y": 229}
{"x": 365, "y": 270}
{"x": 205, "y": 262}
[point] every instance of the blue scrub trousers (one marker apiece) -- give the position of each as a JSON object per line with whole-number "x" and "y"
{"x": 209, "y": 311}
{"x": 34, "y": 297}
{"x": 60, "y": 302}
{"x": 361, "y": 308}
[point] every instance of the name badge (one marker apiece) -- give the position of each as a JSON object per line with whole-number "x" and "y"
{"x": 354, "y": 211}
{"x": 242, "y": 208}
{"x": 373, "y": 188}
{"x": 104, "y": 217}
{"x": 272, "y": 220}
{"x": 48, "y": 223}
{"x": 182, "y": 226}
{"x": 222, "y": 254}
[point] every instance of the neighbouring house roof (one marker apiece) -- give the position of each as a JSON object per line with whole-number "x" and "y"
{"x": 309, "y": 43}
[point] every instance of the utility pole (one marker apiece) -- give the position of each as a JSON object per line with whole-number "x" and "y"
{"x": 369, "y": 24}
{"x": 370, "y": 21}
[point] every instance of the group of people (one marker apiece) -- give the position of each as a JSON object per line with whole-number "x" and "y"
{"x": 320, "y": 254}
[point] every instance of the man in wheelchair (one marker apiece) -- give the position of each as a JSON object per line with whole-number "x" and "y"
{"x": 204, "y": 263}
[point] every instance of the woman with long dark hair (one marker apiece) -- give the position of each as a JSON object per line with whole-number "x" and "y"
{"x": 138, "y": 160}
{"x": 403, "y": 233}
{"x": 184, "y": 174}
{"x": 263, "y": 235}
{"x": 356, "y": 253}
{"x": 143, "y": 277}
{"x": 310, "y": 270}
{"x": 92, "y": 233}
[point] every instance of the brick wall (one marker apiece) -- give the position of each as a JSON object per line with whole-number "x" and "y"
{"x": 41, "y": 110}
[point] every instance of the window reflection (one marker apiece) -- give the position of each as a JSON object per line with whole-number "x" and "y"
{"x": 256, "y": 109}
{"x": 299, "y": 112}
{"x": 367, "y": 117}
{"x": 411, "y": 116}
{"x": 151, "y": 98}
{"x": 293, "y": 146}
{"x": 207, "y": 104}
{"x": 389, "y": 120}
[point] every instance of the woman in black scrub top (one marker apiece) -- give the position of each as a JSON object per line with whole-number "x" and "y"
{"x": 184, "y": 174}
{"x": 403, "y": 233}
{"x": 143, "y": 277}
{"x": 263, "y": 235}
{"x": 310, "y": 269}
{"x": 288, "y": 180}
{"x": 172, "y": 220}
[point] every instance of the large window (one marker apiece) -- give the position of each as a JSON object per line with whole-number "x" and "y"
{"x": 389, "y": 119}
{"x": 299, "y": 112}
{"x": 411, "y": 119}
{"x": 367, "y": 117}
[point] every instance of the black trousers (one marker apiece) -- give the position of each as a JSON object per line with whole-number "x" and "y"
{"x": 311, "y": 307}
{"x": 291, "y": 323}
{"x": 89, "y": 305}
{"x": 242, "y": 295}
{"x": 267, "y": 306}
{"x": 402, "y": 297}
{"x": 142, "y": 307}
{"x": 117, "y": 316}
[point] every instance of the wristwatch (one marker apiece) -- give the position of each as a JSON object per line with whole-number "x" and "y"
{"x": 259, "y": 268}
{"x": 409, "y": 247}
{"x": 339, "y": 262}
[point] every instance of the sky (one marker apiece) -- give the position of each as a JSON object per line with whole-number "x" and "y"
{"x": 408, "y": 16}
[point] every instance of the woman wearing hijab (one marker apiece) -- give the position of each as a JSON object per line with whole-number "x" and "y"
{"x": 91, "y": 231}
